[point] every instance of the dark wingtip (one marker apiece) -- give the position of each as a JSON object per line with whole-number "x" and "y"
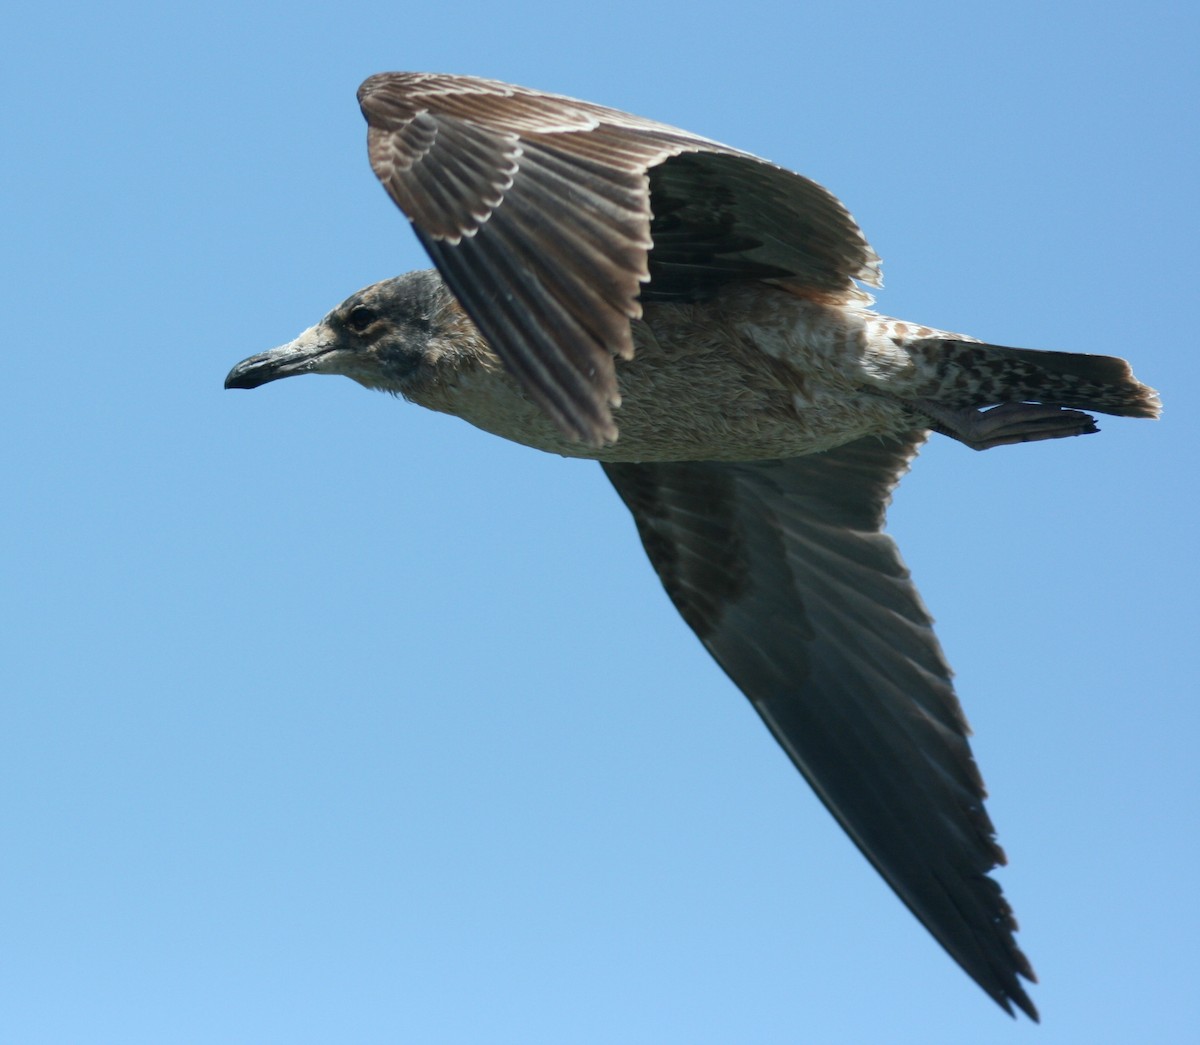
{"x": 1005, "y": 988}
{"x": 1022, "y": 1002}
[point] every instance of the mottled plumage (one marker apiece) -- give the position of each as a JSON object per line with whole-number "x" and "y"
{"x": 689, "y": 315}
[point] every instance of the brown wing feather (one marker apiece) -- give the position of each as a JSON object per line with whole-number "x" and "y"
{"x": 537, "y": 210}
{"x": 782, "y": 570}
{"x": 724, "y": 217}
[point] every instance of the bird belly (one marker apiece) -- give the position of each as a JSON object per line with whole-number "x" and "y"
{"x": 754, "y": 374}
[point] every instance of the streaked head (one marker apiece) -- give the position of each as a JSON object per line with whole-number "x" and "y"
{"x": 397, "y": 336}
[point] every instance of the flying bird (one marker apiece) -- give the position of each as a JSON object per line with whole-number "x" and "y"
{"x": 691, "y": 316}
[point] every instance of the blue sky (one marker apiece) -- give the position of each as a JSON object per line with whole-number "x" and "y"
{"x": 325, "y": 719}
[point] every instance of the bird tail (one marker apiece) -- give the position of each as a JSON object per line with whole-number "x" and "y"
{"x": 974, "y": 374}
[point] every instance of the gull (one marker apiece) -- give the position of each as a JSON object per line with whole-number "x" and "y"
{"x": 692, "y": 317}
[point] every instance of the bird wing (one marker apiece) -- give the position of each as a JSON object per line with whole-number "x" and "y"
{"x": 541, "y": 213}
{"x": 783, "y": 571}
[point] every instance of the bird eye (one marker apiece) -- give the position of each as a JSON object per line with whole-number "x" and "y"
{"x": 360, "y": 318}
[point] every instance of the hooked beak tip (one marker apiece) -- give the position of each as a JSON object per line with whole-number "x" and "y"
{"x": 255, "y": 371}
{"x": 299, "y": 357}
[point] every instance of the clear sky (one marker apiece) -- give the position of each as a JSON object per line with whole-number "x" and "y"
{"x": 324, "y": 719}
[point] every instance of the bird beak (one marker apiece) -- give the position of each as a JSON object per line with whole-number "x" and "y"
{"x": 305, "y": 355}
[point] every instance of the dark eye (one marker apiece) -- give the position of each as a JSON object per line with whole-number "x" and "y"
{"x": 360, "y": 318}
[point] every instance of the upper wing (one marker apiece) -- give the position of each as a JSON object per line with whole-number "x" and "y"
{"x": 538, "y": 211}
{"x": 781, "y": 569}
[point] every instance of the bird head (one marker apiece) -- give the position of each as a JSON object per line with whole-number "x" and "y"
{"x": 400, "y": 336}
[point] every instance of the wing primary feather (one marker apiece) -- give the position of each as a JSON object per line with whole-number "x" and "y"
{"x": 847, "y": 674}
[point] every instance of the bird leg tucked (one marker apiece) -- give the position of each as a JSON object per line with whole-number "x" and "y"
{"x": 1005, "y": 424}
